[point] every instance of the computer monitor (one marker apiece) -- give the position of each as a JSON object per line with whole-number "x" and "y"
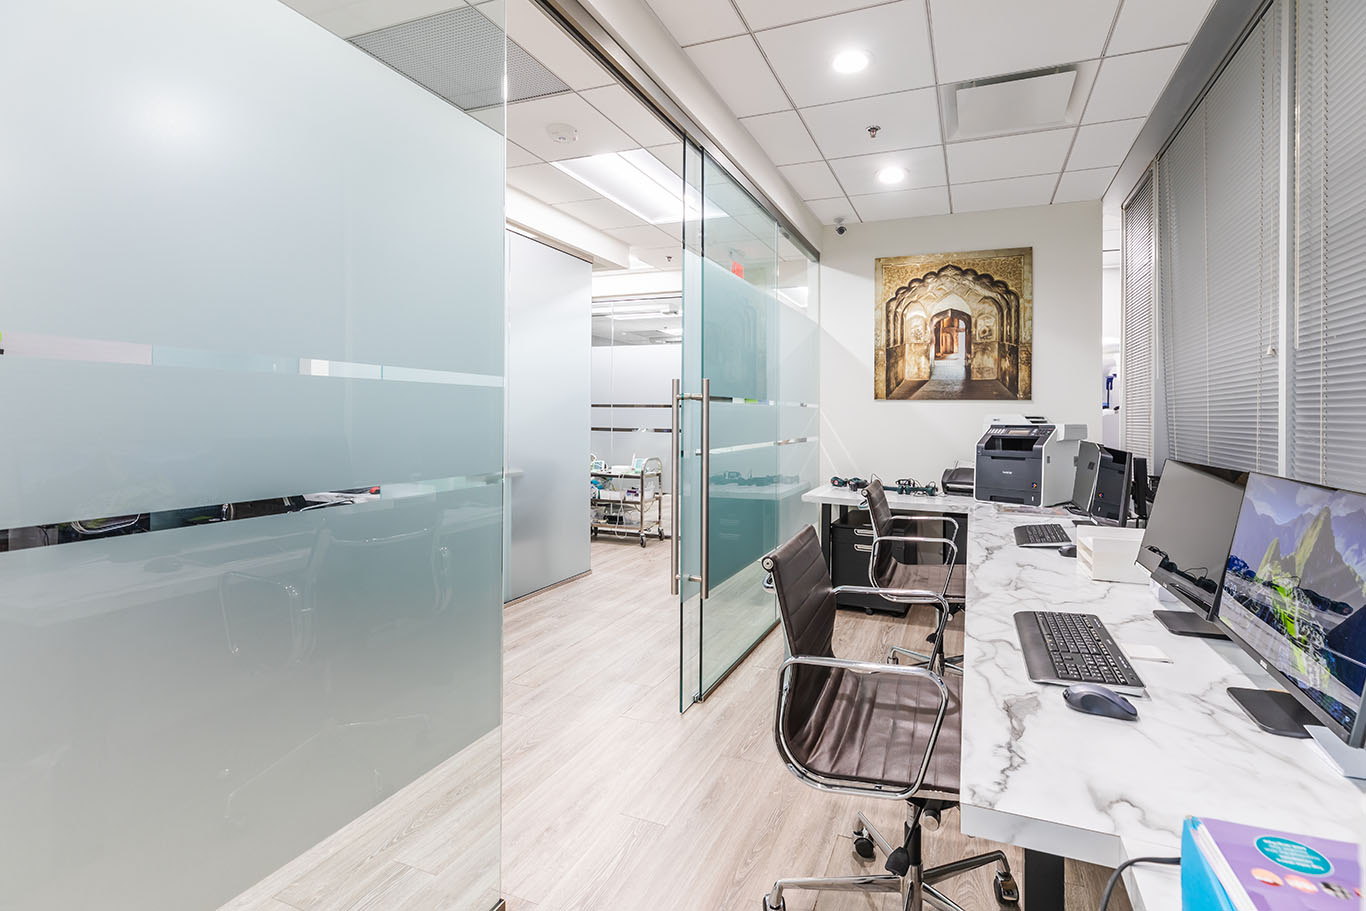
{"x": 1186, "y": 543}
{"x": 1084, "y": 484}
{"x": 1294, "y": 596}
{"x": 1110, "y": 502}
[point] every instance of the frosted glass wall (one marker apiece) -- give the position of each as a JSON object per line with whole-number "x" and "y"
{"x": 550, "y": 297}
{"x": 251, "y": 535}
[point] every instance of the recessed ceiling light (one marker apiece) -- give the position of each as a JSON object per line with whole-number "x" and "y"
{"x": 851, "y": 61}
{"x": 891, "y": 174}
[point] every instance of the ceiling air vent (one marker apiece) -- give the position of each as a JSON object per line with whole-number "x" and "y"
{"x": 1017, "y": 103}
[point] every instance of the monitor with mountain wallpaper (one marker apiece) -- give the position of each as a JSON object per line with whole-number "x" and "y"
{"x": 1294, "y": 595}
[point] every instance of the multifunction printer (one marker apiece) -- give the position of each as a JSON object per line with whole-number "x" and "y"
{"x": 1030, "y": 463}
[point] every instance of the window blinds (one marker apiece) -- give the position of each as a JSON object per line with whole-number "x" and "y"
{"x": 1327, "y": 398}
{"x": 1138, "y": 319}
{"x": 1218, "y": 191}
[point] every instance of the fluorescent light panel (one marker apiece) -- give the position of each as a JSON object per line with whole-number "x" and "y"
{"x": 641, "y": 184}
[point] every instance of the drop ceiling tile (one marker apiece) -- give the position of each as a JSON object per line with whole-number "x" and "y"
{"x": 665, "y": 259}
{"x": 784, "y": 137}
{"x": 737, "y": 71}
{"x": 1078, "y": 186}
{"x": 1129, "y": 85}
{"x": 1009, "y": 156}
{"x": 827, "y": 210}
{"x": 1004, "y": 194}
{"x": 644, "y": 236}
{"x": 894, "y": 36}
{"x": 1147, "y": 24}
{"x": 978, "y": 38}
{"x": 924, "y": 168}
{"x": 812, "y": 180}
{"x": 548, "y": 184}
{"x": 762, "y": 14}
{"x": 529, "y": 120}
{"x": 629, "y": 112}
{"x": 518, "y": 156}
{"x": 1103, "y": 145}
{"x": 698, "y": 20}
{"x": 902, "y": 204}
{"x": 354, "y": 18}
{"x": 602, "y": 214}
{"x": 908, "y": 119}
{"x": 529, "y": 26}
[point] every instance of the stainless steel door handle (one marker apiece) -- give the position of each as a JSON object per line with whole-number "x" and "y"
{"x": 673, "y": 491}
{"x": 706, "y": 489}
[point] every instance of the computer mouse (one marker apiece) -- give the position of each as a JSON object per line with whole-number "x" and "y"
{"x": 1068, "y": 550}
{"x": 1094, "y": 699}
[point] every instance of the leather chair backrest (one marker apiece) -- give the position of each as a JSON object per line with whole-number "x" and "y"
{"x": 881, "y": 515}
{"x": 806, "y": 599}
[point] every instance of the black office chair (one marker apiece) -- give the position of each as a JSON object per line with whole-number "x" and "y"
{"x": 892, "y": 576}
{"x": 856, "y": 727}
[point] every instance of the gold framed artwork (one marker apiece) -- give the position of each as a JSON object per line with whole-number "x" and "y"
{"x": 954, "y": 326}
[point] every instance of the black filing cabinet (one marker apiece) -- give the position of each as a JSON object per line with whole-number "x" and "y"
{"x": 849, "y": 553}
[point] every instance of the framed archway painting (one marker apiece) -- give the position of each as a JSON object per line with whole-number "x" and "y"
{"x": 954, "y": 326}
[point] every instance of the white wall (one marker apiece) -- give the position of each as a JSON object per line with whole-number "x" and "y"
{"x": 920, "y": 439}
{"x": 549, "y": 305}
{"x": 634, "y": 374}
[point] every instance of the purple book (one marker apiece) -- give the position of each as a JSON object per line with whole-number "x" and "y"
{"x": 1285, "y": 872}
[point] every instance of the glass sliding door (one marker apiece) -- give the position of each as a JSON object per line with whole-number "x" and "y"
{"x": 749, "y": 420}
{"x": 251, "y": 535}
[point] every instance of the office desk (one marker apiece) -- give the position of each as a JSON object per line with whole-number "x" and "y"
{"x": 1057, "y": 782}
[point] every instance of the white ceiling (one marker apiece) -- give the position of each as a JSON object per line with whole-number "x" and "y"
{"x": 770, "y": 60}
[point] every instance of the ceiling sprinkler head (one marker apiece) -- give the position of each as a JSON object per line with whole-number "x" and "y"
{"x": 873, "y": 131}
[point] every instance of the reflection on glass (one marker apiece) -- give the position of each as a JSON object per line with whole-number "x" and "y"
{"x": 759, "y": 349}
{"x": 252, "y": 262}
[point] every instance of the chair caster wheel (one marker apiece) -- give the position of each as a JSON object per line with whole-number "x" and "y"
{"x": 781, "y": 906}
{"x": 1007, "y": 891}
{"x": 864, "y": 848}
{"x": 898, "y": 862}
{"x": 869, "y": 611}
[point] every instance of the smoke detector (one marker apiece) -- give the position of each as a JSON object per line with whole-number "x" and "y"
{"x": 562, "y": 133}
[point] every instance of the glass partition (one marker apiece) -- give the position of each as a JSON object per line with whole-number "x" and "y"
{"x": 251, "y": 541}
{"x": 755, "y": 343}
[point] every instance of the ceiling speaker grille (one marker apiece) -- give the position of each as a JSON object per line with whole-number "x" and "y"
{"x": 458, "y": 55}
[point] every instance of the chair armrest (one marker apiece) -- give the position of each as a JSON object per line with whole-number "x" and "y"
{"x": 897, "y": 595}
{"x": 915, "y": 539}
{"x": 826, "y": 783}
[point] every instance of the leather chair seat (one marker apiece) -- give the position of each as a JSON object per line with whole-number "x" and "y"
{"x": 874, "y": 727}
{"x": 929, "y": 577}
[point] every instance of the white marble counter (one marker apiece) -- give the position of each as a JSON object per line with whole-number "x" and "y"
{"x": 1040, "y": 775}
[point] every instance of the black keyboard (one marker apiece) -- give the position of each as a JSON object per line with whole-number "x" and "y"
{"x": 1068, "y": 648}
{"x": 1050, "y": 535}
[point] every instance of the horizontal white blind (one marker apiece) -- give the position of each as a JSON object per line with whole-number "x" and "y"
{"x": 1218, "y": 186}
{"x": 1138, "y": 319}
{"x": 1328, "y": 357}
{"x": 1184, "y": 316}
{"x": 1242, "y": 143}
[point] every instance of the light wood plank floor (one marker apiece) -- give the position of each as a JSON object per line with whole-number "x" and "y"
{"x": 612, "y": 800}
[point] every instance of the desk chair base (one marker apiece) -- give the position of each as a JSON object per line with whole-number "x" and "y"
{"x": 905, "y": 876}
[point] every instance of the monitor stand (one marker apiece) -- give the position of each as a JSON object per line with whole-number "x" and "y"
{"x": 1349, "y": 761}
{"x": 1186, "y": 623}
{"x": 1274, "y": 711}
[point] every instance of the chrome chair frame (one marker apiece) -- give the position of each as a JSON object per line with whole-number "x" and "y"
{"x": 917, "y": 884}
{"x": 953, "y": 664}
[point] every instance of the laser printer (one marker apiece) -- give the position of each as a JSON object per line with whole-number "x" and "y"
{"x": 1034, "y": 464}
